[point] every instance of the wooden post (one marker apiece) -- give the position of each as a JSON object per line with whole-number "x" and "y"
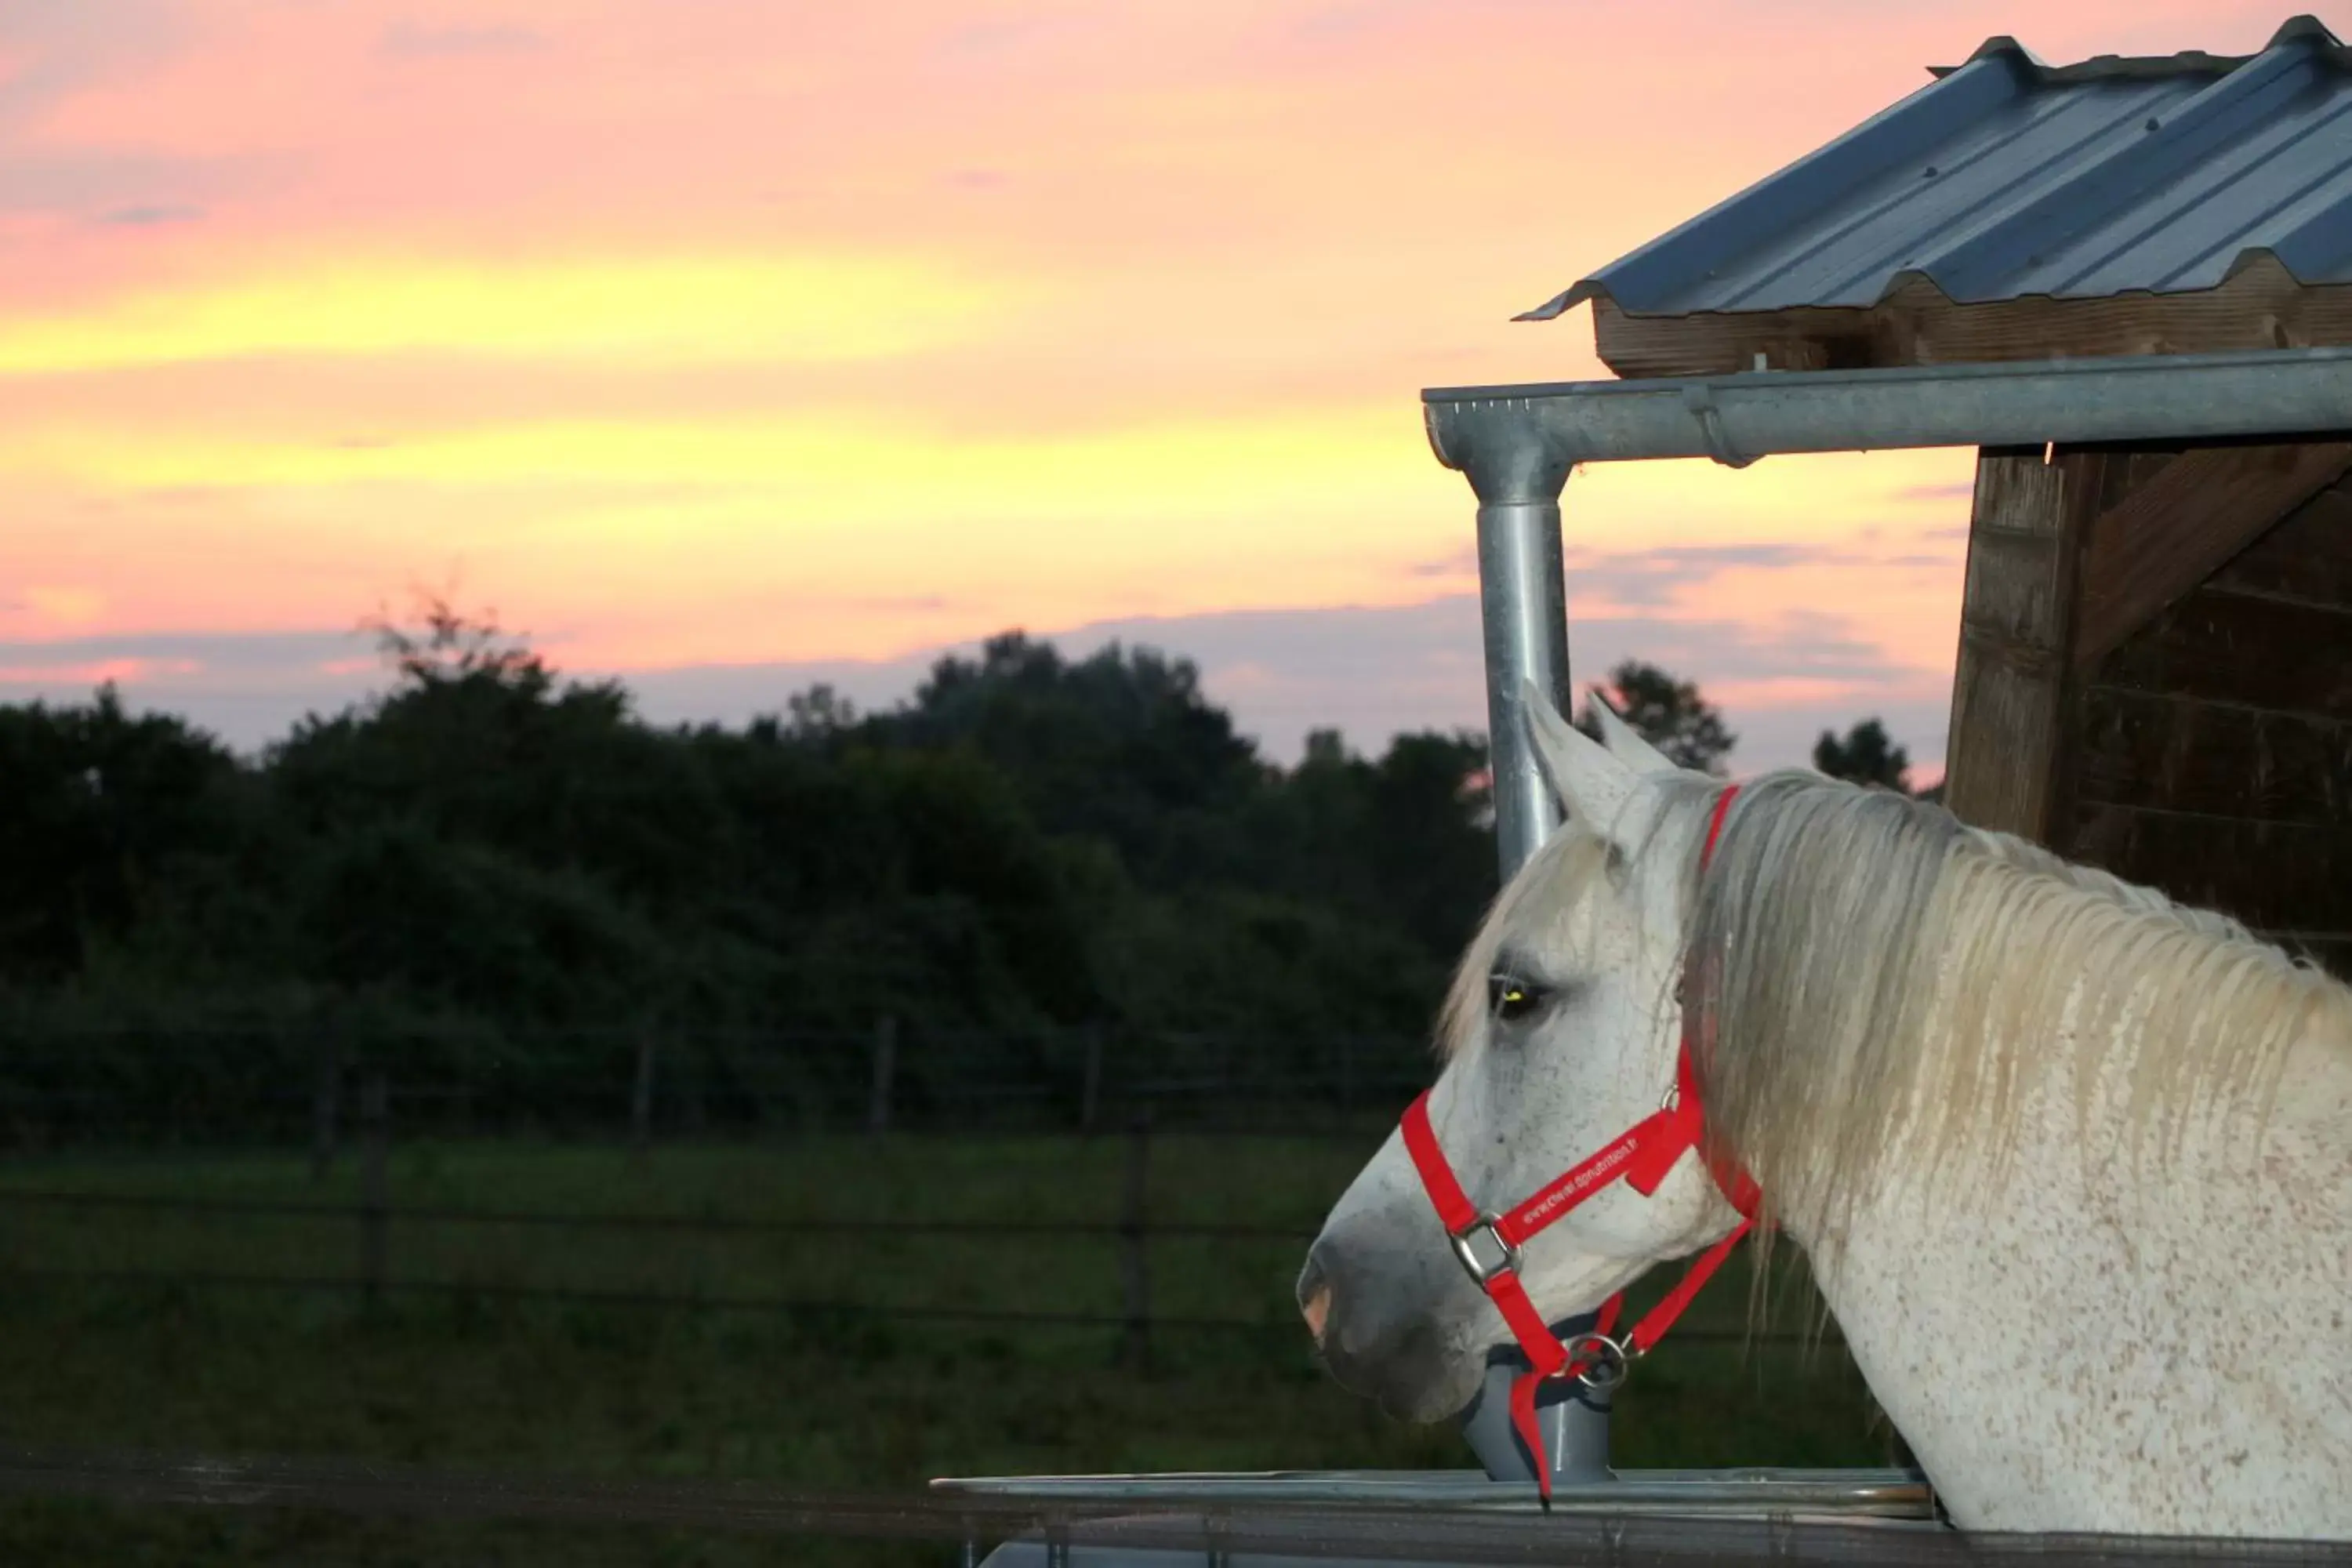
{"x": 886, "y": 1067}
{"x": 1134, "y": 1270}
{"x": 375, "y": 1118}
{"x": 641, "y": 1096}
{"x": 2072, "y": 553}
{"x": 1090, "y": 1089}
{"x": 326, "y": 1087}
{"x": 2012, "y": 689}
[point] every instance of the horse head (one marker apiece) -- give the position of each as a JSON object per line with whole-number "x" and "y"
{"x": 1562, "y": 1031}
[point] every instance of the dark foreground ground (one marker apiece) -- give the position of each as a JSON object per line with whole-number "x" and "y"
{"x": 819, "y": 1396}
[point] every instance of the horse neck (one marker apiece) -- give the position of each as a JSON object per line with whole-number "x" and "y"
{"x": 2071, "y": 1341}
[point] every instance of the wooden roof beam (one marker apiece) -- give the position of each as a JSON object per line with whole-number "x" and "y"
{"x": 2182, "y": 525}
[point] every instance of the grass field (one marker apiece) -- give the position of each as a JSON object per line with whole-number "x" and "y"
{"x": 826, "y": 1398}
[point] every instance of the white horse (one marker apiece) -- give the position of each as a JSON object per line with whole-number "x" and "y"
{"x": 2072, "y": 1164}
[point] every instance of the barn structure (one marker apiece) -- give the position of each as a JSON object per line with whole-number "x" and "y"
{"x": 2128, "y": 284}
{"x": 2117, "y": 280}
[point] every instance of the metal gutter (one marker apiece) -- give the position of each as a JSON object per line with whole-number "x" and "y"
{"x": 1517, "y": 446}
{"x": 1506, "y": 437}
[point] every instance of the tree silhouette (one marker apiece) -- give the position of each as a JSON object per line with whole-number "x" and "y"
{"x": 1864, "y": 755}
{"x": 1669, "y": 714}
{"x": 485, "y": 849}
{"x": 452, "y": 645}
{"x": 820, "y": 713}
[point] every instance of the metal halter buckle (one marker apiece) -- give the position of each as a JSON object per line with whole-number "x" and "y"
{"x": 1480, "y": 1273}
{"x": 1612, "y": 1360}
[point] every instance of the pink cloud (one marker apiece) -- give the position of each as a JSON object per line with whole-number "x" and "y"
{"x": 1237, "y": 211}
{"x": 97, "y": 673}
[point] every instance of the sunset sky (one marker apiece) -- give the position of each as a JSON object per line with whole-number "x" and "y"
{"x": 735, "y": 345}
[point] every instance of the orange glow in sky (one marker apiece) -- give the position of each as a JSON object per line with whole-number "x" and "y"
{"x": 797, "y": 334}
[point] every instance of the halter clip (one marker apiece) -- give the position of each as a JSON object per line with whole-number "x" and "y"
{"x": 1480, "y": 1272}
{"x": 1610, "y": 1360}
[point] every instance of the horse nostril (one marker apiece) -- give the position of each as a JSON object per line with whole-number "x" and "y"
{"x": 1314, "y": 1298}
{"x": 1315, "y": 1308}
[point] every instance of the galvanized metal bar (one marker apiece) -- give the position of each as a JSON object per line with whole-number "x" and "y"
{"x": 1517, "y": 473}
{"x": 1523, "y": 603}
{"x": 1862, "y": 1493}
{"x": 1736, "y": 419}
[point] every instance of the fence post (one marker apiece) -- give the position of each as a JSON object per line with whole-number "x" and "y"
{"x": 694, "y": 1065}
{"x": 466, "y": 1091}
{"x": 1090, "y": 1090}
{"x": 886, "y": 1067}
{"x": 326, "y": 1085}
{"x": 641, "y": 1097}
{"x": 375, "y": 1135}
{"x": 1135, "y": 1274}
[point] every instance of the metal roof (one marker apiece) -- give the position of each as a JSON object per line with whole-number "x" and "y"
{"x": 2005, "y": 178}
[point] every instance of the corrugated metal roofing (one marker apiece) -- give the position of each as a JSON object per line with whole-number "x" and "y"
{"x": 2006, "y": 178}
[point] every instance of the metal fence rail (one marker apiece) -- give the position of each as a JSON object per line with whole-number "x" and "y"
{"x": 197, "y": 1086}
{"x": 658, "y": 1300}
{"x": 675, "y": 1224}
{"x": 1132, "y": 1235}
{"x": 631, "y": 1099}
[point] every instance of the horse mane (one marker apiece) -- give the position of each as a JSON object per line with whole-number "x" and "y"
{"x": 1863, "y": 972}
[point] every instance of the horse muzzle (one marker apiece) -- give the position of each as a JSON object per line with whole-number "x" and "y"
{"x": 1374, "y": 1342}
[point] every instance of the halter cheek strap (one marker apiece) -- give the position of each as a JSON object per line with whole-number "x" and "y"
{"x": 1487, "y": 1245}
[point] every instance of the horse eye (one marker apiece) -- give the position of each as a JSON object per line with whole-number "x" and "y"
{"x": 1511, "y": 1000}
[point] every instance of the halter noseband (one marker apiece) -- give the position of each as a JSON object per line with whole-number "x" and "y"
{"x": 1639, "y": 1157}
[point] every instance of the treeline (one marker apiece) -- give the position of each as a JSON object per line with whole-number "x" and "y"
{"x": 1029, "y": 843}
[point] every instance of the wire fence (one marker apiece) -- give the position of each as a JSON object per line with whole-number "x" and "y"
{"x": 126, "y": 1088}
{"x": 668, "y": 1224}
{"x": 119, "y": 1098}
{"x": 374, "y": 1221}
{"x": 374, "y": 1281}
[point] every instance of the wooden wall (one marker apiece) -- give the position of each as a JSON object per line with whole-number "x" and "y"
{"x": 2155, "y": 673}
{"x": 2260, "y": 306}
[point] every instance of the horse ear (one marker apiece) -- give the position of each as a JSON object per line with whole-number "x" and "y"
{"x": 1625, "y": 742}
{"x": 1591, "y": 784}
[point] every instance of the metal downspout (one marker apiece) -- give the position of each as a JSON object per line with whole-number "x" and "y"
{"x": 1523, "y": 606}
{"x": 1517, "y": 476}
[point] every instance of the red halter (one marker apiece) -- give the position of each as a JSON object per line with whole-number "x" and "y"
{"x": 1640, "y": 1158}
